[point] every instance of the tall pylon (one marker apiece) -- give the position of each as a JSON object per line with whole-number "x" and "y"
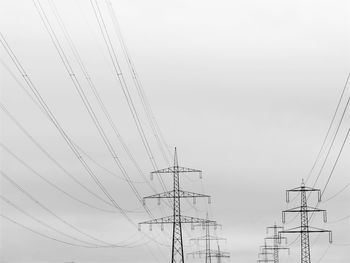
{"x": 176, "y": 219}
{"x": 304, "y": 229}
{"x": 208, "y": 252}
{"x": 275, "y": 247}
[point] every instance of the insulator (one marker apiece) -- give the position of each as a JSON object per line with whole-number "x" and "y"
{"x": 319, "y": 196}
{"x": 288, "y": 251}
{"x": 144, "y": 201}
{"x": 151, "y": 176}
{"x": 158, "y": 200}
{"x": 330, "y": 237}
{"x": 150, "y": 227}
{"x": 194, "y": 200}
{"x": 139, "y": 227}
{"x": 200, "y": 175}
{"x": 209, "y": 200}
{"x": 287, "y": 196}
{"x": 325, "y": 216}
{"x": 279, "y": 238}
{"x": 283, "y": 217}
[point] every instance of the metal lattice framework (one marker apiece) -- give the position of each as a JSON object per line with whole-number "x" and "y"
{"x": 176, "y": 219}
{"x": 208, "y": 252}
{"x": 304, "y": 229}
{"x": 275, "y": 238}
{"x": 263, "y": 257}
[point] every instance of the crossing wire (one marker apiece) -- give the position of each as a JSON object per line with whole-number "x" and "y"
{"x": 46, "y": 153}
{"x": 333, "y": 140}
{"x": 96, "y": 93}
{"x": 43, "y": 111}
{"x": 337, "y": 193}
{"x": 6, "y": 200}
{"x": 84, "y": 99}
{"x": 64, "y": 135}
{"x": 56, "y": 239}
{"x": 329, "y": 129}
{"x": 69, "y": 142}
{"x": 86, "y": 102}
{"x": 139, "y": 87}
{"x": 36, "y": 201}
{"x": 43, "y": 104}
{"x": 124, "y": 86}
{"x": 11, "y": 153}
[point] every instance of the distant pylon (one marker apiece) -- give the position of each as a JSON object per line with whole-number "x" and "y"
{"x": 263, "y": 255}
{"x": 176, "y": 219}
{"x": 208, "y": 252}
{"x": 275, "y": 247}
{"x": 304, "y": 229}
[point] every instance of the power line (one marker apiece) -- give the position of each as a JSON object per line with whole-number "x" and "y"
{"x": 123, "y": 84}
{"x": 36, "y": 201}
{"x": 329, "y": 129}
{"x": 54, "y": 185}
{"x": 53, "y": 238}
{"x": 55, "y": 229}
{"x": 337, "y": 193}
{"x": 335, "y": 163}
{"x": 333, "y": 140}
{"x": 95, "y": 92}
{"x": 139, "y": 87}
{"x": 49, "y": 156}
{"x": 58, "y": 126}
{"x": 83, "y": 97}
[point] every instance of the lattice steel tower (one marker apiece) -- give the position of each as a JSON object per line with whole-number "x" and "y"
{"x": 275, "y": 238}
{"x": 304, "y": 229}
{"x": 263, "y": 256}
{"x": 208, "y": 252}
{"x": 176, "y": 219}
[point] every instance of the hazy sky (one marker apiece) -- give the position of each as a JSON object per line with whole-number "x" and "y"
{"x": 245, "y": 90}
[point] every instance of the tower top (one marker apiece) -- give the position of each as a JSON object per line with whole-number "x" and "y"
{"x": 176, "y": 163}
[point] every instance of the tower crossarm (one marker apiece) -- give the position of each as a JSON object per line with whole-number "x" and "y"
{"x": 207, "y": 238}
{"x": 303, "y": 189}
{"x": 172, "y": 194}
{"x": 303, "y": 209}
{"x": 306, "y": 210}
{"x": 183, "y": 220}
{"x": 274, "y": 248}
{"x": 273, "y": 237}
{"x": 310, "y": 229}
{"x": 212, "y": 253}
{"x": 177, "y": 169}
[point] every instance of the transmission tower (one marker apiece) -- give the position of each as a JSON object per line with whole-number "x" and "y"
{"x": 263, "y": 256}
{"x": 208, "y": 252}
{"x": 304, "y": 229}
{"x": 176, "y": 219}
{"x": 275, "y": 238}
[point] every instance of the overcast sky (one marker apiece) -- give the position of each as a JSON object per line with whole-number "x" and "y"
{"x": 245, "y": 90}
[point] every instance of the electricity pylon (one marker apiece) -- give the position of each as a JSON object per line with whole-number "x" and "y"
{"x": 275, "y": 247}
{"x": 176, "y": 219}
{"x": 304, "y": 229}
{"x": 263, "y": 255}
{"x": 208, "y": 252}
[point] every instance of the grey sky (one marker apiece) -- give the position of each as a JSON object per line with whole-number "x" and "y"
{"x": 245, "y": 90}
